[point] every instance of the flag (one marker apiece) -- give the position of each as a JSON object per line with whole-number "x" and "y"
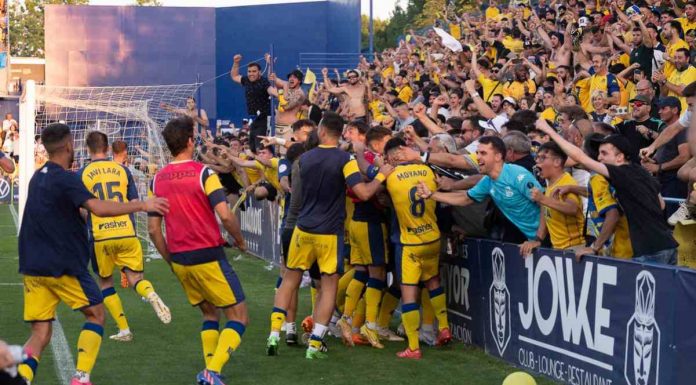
{"x": 310, "y": 77}
{"x": 448, "y": 40}
{"x": 455, "y": 31}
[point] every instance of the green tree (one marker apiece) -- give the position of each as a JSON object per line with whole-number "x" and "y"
{"x": 379, "y": 27}
{"x": 154, "y": 3}
{"x": 27, "y": 25}
{"x": 432, "y": 10}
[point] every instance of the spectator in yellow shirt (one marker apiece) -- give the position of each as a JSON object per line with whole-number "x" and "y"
{"x": 403, "y": 87}
{"x": 683, "y": 75}
{"x": 688, "y": 21}
{"x": 673, "y": 32}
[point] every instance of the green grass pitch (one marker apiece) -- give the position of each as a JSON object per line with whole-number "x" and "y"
{"x": 171, "y": 354}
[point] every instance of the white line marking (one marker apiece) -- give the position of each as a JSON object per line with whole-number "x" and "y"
{"x": 459, "y": 314}
{"x": 11, "y": 284}
{"x": 568, "y": 353}
{"x": 62, "y": 358}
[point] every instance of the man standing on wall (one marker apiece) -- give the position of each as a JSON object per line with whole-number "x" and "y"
{"x": 256, "y": 92}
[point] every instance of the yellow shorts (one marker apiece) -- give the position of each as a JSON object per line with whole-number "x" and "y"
{"x": 43, "y": 294}
{"x": 417, "y": 263}
{"x": 214, "y": 282}
{"x": 123, "y": 252}
{"x": 306, "y": 248}
{"x": 368, "y": 243}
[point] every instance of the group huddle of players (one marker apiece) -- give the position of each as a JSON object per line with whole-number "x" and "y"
{"x": 72, "y": 219}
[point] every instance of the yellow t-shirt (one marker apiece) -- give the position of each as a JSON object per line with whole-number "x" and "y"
{"x": 583, "y": 89}
{"x": 671, "y": 51}
{"x": 514, "y": 45}
{"x": 601, "y": 199}
{"x": 490, "y": 87}
{"x": 516, "y": 89}
{"x": 271, "y": 173}
{"x": 549, "y": 114}
{"x": 405, "y": 93}
{"x": 686, "y": 24}
{"x": 415, "y": 216}
{"x": 253, "y": 173}
{"x": 378, "y": 111}
{"x": 682, "y": 78}
{"x": 492, "y": 13}
{"x": 565, "y": 230}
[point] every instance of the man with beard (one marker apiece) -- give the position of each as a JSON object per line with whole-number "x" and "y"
{"x": 683, "y": 75}
{"x": 357, "y": 94}
{"x": 672, "y": 32}
{"x": 256, "y": 91}
{"x": 558, "y": 43}
{"x": 290, "y": 99}
{"x": 521, "y": 86}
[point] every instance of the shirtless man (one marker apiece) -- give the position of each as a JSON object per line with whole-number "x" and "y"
{"x": 559, "y": 44}
{"x": 356, "y": 91}
{"x": 199, "y": 116}
{"x": 289, "y": 103}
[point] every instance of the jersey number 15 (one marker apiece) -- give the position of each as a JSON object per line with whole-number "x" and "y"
{"x": 98, "y": 189}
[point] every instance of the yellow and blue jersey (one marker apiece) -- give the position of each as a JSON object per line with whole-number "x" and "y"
{"x": 601, "y": 200}
{"x": 271, "y": 173}
{"x": 109, "y": 180}
{"x": 416, "y": 222}
{"x": 565, "y": 230}
{"x": 52, "y": 238}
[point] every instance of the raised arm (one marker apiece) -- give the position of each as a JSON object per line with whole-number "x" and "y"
{"x": 483, "y": 108}
{"x": 571, "y": 150}
{"x": 234, "y": 73}
{"x": 329, "y": 85}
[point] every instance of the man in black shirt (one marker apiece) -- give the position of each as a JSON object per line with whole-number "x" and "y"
{"x": 637, "y": 191}
{"x": 256, "y": 92}
{"x": 670, "y": 157}
{"x": 642, "y": 130}
{"x": 642, "y": 51}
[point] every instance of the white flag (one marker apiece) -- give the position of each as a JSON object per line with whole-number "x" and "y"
{"x": 448, "y": 40}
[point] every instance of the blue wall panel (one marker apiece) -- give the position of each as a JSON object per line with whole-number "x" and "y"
{"x": 121, "y": 46}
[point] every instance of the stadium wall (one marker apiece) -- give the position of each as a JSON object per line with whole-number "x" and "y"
{"x": 128, "y": 45}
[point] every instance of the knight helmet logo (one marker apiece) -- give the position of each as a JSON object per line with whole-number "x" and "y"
{"x": 499, "y": 302}
{"x": 642, "y": 362}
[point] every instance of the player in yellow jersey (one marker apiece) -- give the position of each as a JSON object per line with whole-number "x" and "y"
{"x": 561, "y": 216}
{"x": 268, "y": 184}
{"x": 416, "y": 237}
{"x": 113, "y": 239}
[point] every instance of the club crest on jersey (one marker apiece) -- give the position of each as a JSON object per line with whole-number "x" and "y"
{"x": 499, "y": 302}
{"x": 642, "y": 361}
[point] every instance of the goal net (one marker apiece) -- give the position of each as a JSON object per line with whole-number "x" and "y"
{"x": 134, "y": 115}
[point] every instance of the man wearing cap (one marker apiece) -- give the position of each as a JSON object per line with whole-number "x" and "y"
{"x": 642, "y": 129}
{"x": 637, "y": 192}
{"x": 670, "y": 157}
{"x": 290, "y": 99}
{"x": 357, "y": 94}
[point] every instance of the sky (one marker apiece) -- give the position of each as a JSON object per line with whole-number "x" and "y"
{"x": 381, "y": 8}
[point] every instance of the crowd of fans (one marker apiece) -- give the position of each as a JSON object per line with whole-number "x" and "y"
{"x": 613, "y": 78}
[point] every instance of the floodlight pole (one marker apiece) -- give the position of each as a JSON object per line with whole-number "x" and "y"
{"x": 372, "y": 31}
{"x": 271, "y": 121}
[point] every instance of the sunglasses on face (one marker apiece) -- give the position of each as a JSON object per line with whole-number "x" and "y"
{"x": 637, "y": 104}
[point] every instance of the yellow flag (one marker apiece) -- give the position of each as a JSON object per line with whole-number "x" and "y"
{"x": 310, "y": 77}
{"x": 456, "y": 31}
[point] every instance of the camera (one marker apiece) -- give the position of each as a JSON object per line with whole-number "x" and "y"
{"x": 621, "y": 110}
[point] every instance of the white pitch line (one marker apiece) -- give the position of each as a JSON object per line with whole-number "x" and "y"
{"x": 11, "y": 284}
{"x": 62, "y": 358}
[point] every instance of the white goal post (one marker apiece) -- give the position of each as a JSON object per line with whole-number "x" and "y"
{"x": 132, "y": 114}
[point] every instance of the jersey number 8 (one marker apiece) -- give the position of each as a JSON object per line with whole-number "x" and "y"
{"x": 417, "y": 203}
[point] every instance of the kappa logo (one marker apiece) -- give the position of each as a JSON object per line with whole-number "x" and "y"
{"x": 499, "y": 303}
{"x": 642, "y": 361}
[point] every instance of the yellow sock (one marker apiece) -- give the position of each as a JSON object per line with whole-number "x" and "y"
{"x": 359, "y": 315}
{"x": 342, "y": 287}
{"x": 229, "y": 341}
{"x": 277, "y": 319}
{"x": 28, "y": 369}
{"x": 209, "y": 337}
{"x": 428, "y": 312}
{"x": 113, "y": 304}
{"x": 88, "y": 346}
{"x": 144, "y": 288}
{"x": 390, "y": 300}
{"x": 373, "y": 297}
{"x": 439, "y": 304}
{"x": 313, "y": 294}
{"x": 354, "y": 292}
{"x": 411, "y": 319}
